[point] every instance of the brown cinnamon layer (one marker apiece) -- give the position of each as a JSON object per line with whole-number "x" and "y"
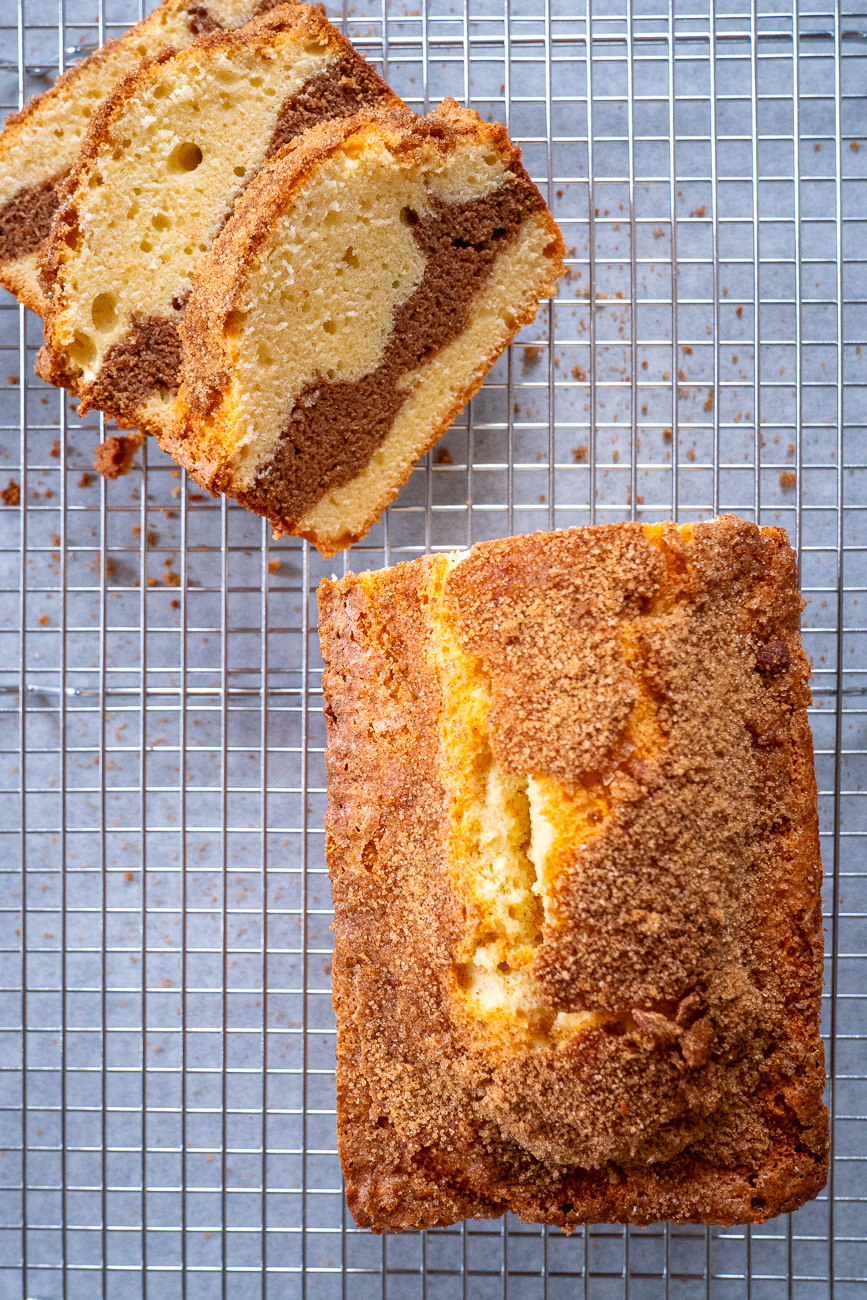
{"x": 146, "y": 362}
{"x": 26, "y": 219}
{"x": 335, "y": 428}
{"x": 345, "y": 86}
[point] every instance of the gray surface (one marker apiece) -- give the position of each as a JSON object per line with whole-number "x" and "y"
{"x": 166, "y": 1121}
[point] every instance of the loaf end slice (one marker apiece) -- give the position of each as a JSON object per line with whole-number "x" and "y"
{"x": 364, "y": 286}
{"x": 573, "y": 846}
{"x": 155, "y": 180}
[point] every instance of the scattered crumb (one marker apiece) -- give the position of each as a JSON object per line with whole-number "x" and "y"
{"x": 615, "y": 455}
{"x": 817, "y": 147}
{"x": 579, "y": 373}
{"x": 690, "y": 453}
{"x": 443, "y": 456}
{"x": 43, "y": 620}
{"x": 687, "y": 350}
{"x": 698, "y": 212}
{"x": 541, "y": 498}
{"x": 171, "y": 579}
{"x": 11, "y": 379}
{"x": 739, "y": 311}
{"x": 644, "y": 365}
{"x": 85, "y": 480}
{"x": 11, "y": 494}
{"x": 55, "y": 449}
{"x": 708, "y": 405}
{"x": 788, "y": 478}
{"x": 579, "y": 453}
{"x": 115, "y": 456}
{"x": 174, "y": 473}
{"x": 854, "y": 146}
{"x": 175, "y": 604}
{"x": 152, "y": 582}
{"x": 197, "y": 496}
{"x": 657, "y": 234}
{"x": 128, "y": 876}
{"x": 273, "y": 566}
{"x": 532, "y": 357}
{"x": 666, "y": 435}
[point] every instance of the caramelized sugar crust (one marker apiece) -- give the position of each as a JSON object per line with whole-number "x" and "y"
{"x": 573, "y": 846}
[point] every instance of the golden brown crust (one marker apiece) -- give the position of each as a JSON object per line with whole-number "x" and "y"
{"x": 697, "y": 1096}
{"x": 305, "y": 20}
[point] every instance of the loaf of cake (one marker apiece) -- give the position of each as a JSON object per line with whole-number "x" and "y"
{"x": 366, "y": 282}
{"x": 573, "y": 847}
{"x": 155, "y": 179}
{"x": 39, "y": 144}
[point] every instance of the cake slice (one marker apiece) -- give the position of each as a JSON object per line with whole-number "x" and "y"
{"x": 155, "y": 179}
{"x": 363, "y": 287}
{"x": 573, "y": 847}
{"x": 39, "y": 144}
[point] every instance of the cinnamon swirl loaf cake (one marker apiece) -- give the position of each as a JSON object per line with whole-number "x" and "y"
{"x": 156, "y": 176}
{"x": 39, "y": 144}
{"x": 363, "y": 287}
{"x": 573, "y": 847}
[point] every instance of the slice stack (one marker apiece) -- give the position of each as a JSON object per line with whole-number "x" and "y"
{"x": 39, "y": 144}
{"x": 364, "y": 286}
{"x": 154, "y": 182}
{"x": 350, "y": 271}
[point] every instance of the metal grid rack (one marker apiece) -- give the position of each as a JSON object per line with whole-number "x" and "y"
{"x": 167, "y": 1115}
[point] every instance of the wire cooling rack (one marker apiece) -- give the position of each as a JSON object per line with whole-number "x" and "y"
{"x": 167, "y": 1114}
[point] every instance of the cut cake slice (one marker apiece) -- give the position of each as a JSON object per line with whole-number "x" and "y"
{"x": 366, "y": 283}
{"x": 154, "y": 182}
{"x": 39, "y": 144}
{"x": 573, "y": 844}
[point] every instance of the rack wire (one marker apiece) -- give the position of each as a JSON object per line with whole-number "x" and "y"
{"x": 166, "y": 1034}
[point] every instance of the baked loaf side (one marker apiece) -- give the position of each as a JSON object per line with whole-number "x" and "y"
{"x": 39, "y": 144}
{"x": 365, "y": 284}
{"x": 155, "y": 180}
{"x": 573, "y": 845}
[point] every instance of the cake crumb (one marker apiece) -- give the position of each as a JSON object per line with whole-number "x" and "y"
{"x": 114, "y": 457}
{"x": 85, "y": 480}
{"x": 273, "y": 566}
{"x": 11, "y": 494}
{"x": 579, "y": 373}
{"x": 532, "y": 357}
{"x": 579, "y": 452}
{"x": 788, "y": 478}
{"x": 55, "y": 449}
{"x": 443, "y": 456}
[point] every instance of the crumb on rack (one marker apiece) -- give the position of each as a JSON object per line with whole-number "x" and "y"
{"x": 114, "y": 457}
{"x": 443, "y": 456}
{"x": 11, "y": 494}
